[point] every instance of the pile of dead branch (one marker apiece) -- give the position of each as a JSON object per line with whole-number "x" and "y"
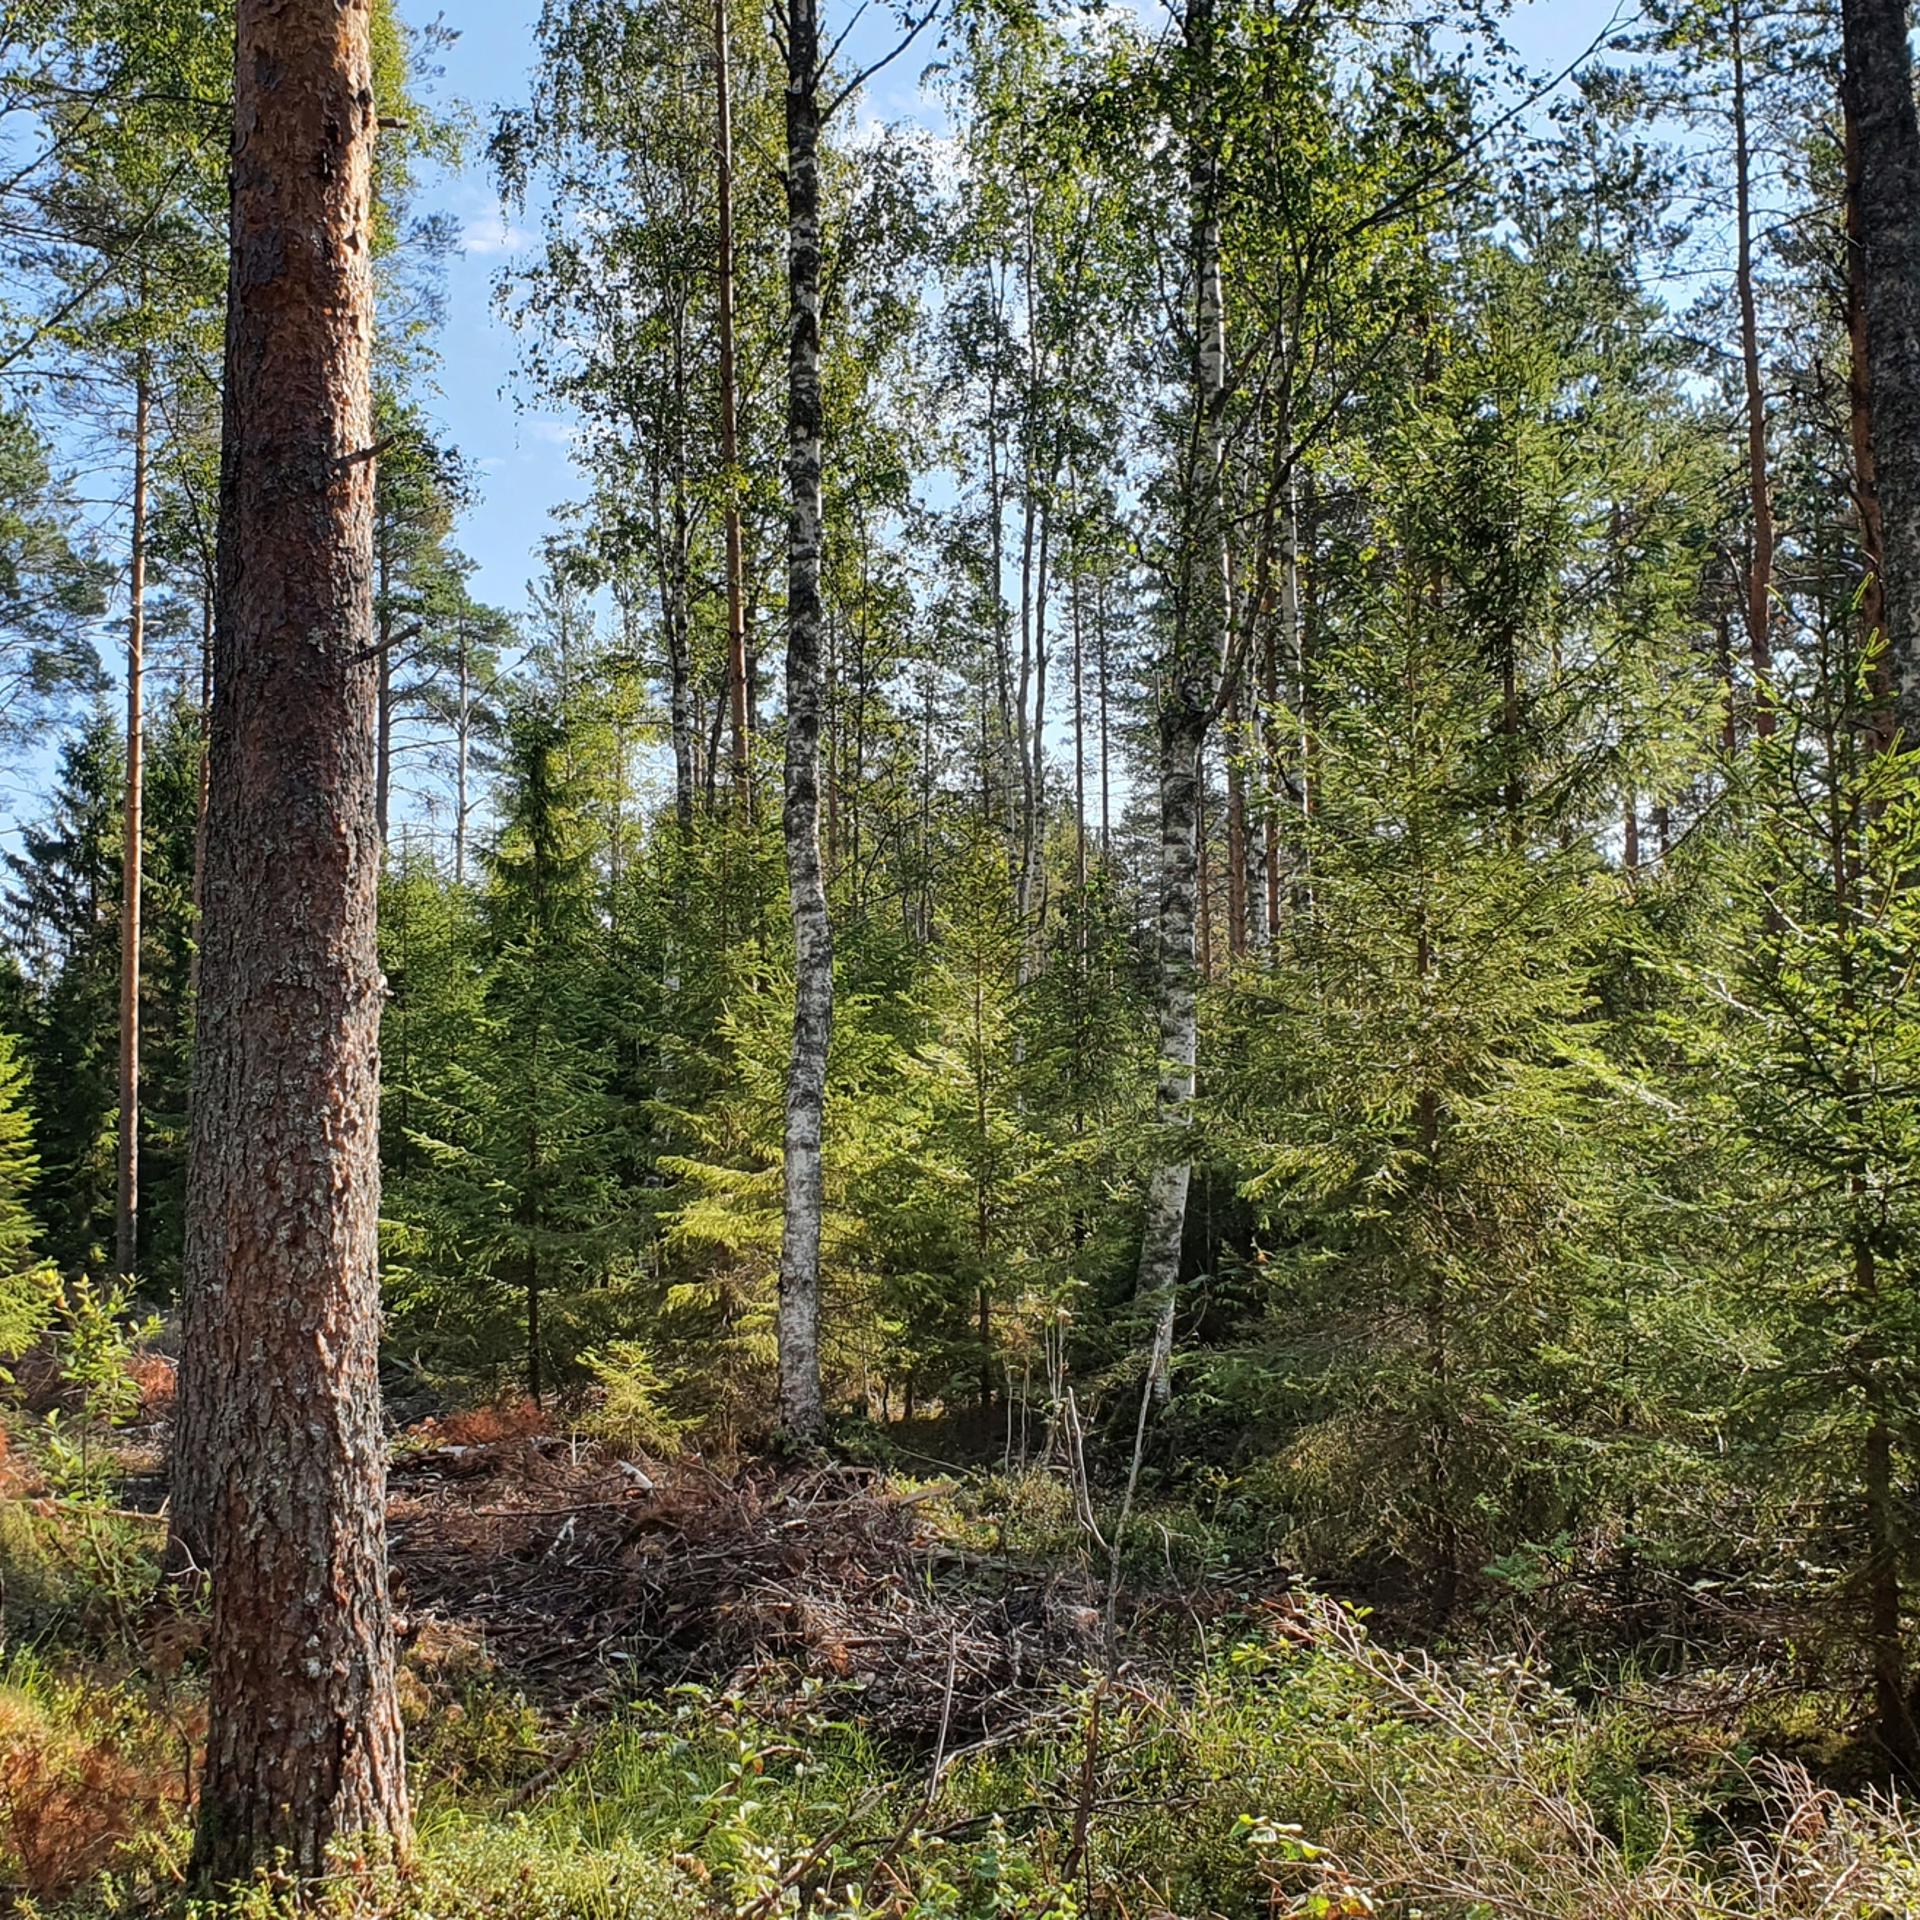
{"x": 582, "y": 1575}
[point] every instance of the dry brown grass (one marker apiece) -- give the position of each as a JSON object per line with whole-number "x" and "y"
{"x": 482, "y": 1426}
{"x": 84, "y": 1776}
{"x": 154, "y": 1378}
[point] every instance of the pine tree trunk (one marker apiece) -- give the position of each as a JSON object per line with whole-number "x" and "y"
{"x": 1759, "y": 493}
{"x": 1237, "y": 835}
{"x": 1866, "y": 486}
{"x": 383, "y": 695}
{"x": 127, "y": 1209}
{"x": 1202, "y": 828}
{"x": 281, "y": 1457}
{"x": 1886, "y": 1642}
{"x": 1023, "y": 855}
{"x": 804, "y": 1185}
{"x": 675, "y": 582}
{"x": 1106, "y": 755}
{"x": 1256, "y": 806}
{"x": 1079, "y": 756}
{"x": 200, "y": 791}
{"x": 462, "y": 749}
{"x": 1286, "y": 670}
{"x": 1034, "y": 883}
{"x": 1879, "y": 83}
{"x": 1272, "y": 770}
{"x": 680, "y": 688}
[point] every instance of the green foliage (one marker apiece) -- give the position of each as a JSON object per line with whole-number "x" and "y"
{"x": 50, "y": 585}
{"x": 93, "y": 1342}
{"x": 26, "y": 1282}
{"x": 1303, "y": 1773}
{"x": 1552, "y": 1230}
{"x": 511, "y": 1135}
{"x": 73, "y": 1559}
{"x": 632, "y": 1413}
{"x": 62, "y": 917}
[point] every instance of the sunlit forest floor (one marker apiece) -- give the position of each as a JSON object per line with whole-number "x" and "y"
{"x": 896, "y": 1685}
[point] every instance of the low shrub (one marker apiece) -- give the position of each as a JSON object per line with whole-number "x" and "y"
{"x": 1303, "y": 1774}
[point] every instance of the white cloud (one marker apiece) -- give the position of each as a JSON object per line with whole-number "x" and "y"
{"x": 493, "y": 233}
{"x": 552, "y": 430}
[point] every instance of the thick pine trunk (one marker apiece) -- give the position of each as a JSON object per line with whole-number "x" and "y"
{"x": 804, "y": 1184}
{"x": 281, "y": 1455}
{"x": 127, "y": 1209}
{"x": 1879, "y": 85}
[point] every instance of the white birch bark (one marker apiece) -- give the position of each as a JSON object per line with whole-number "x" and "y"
{"x": 803, "y": 1188}
{"x": 1188, "y": 692}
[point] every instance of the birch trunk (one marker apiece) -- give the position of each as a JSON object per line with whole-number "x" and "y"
{"x": 737, "y": 689}
{"x": 1189, "y": 685}
{"x": 804, "y": 1188}
{"x": 281, "y": 1456}
{"x": 1879, "y": 83}
{"x": 1164, "y": 1228}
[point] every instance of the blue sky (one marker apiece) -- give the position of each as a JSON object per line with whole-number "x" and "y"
{"x": 521, "y": 455}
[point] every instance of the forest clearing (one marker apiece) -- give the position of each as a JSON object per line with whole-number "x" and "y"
{"x": 959, "y": 961}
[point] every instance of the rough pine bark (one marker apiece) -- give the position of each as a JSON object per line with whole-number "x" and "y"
{"x": 801, "y": 1413}
{"x": 1190, "y": 679}
{"x": 1880, "y": 105}
{"x": 280, "y": 1473}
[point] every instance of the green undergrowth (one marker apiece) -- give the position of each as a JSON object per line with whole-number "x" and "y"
{"x": 1301, "y": 1772}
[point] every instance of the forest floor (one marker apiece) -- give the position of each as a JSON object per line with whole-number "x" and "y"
{"x": 645, "y": 1690}
{"x": 581, "y": 1576}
